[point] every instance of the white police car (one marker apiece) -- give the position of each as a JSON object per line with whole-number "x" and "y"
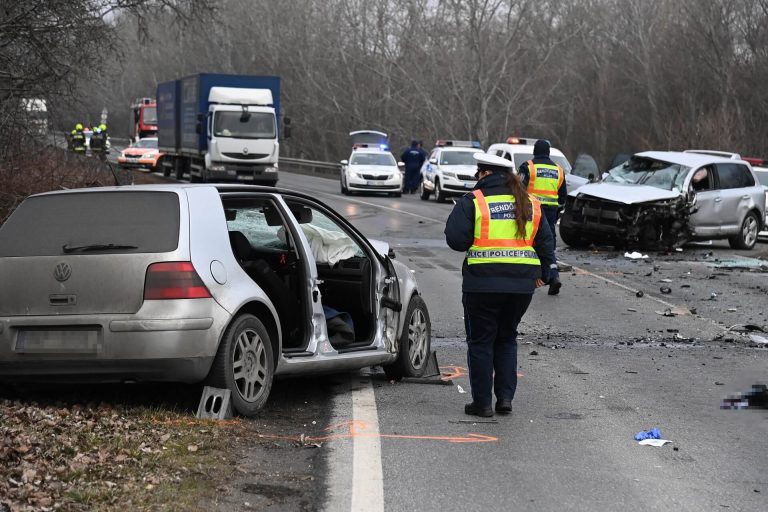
{"x": 371, "y": 168}
{"x": 519, "y": 150}
{"x": 450, "y": 169}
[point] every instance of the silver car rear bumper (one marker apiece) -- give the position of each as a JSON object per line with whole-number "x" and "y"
{"x": 155, "y": 344}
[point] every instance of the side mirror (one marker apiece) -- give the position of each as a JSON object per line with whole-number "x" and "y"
{"x": 344, "y": 162}
{"x": 591, "y": 177}
{"x": 400, "y": 164}
{"x": 201, "y": 117}
{"x": 286, "y": 120}
{"x": 286, "y": 132}
{"x": 433, "y": 161}
{"x": 198, "y": 128}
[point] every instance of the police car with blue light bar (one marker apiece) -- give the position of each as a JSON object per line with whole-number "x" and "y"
{"x": 371, "y": 167}
{"x": 450, "y": 169}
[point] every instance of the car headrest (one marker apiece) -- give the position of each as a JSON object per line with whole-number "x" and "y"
{"x": 241, "y": 247}
{"x": 272, "y": 216}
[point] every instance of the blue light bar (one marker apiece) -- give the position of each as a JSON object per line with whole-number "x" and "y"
{"x": 384, "y": 147}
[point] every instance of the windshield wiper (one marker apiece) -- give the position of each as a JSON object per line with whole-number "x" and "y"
{"x": 95, "y": 247}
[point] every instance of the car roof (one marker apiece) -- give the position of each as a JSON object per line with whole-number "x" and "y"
{"x": 180, "y": 187}
{"x": 688, "y": 159}
{"x": 522, "y": 148}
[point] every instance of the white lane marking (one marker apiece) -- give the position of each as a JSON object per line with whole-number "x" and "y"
{"x": 334, "y": 196}
{"x": 630, "y": 289}
{"x": 367, "y": 476}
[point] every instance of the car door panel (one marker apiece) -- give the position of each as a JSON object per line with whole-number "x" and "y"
{"x": 735, "y": 183}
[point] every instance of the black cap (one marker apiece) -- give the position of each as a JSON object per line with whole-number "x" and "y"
{"x": 541, "y": 148}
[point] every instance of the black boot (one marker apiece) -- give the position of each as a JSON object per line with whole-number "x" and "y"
{"x": 554, "y": 286}
{"x": 475, "y": 410}
{"x": 504, "y": 406}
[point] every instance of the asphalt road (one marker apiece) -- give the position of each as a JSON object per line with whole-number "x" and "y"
{"x": 598, "y": 364}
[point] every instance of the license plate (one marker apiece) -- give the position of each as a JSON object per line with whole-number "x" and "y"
{"x": 371, "y": 182}
{"x": 469, "y": 185}
{"x": 73, "y": 340}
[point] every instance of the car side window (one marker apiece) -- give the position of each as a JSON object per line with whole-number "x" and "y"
{"x": 734, "y": 176}
{"x": 703, "y": 179}
{"x": 328, "y": 240}
{"x": 260, "y": 221}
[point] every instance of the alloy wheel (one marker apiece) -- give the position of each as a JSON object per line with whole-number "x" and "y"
{"x": 249, "y": 365}
{"x": 417, "y": 339}
{"x": 749, "y": 231}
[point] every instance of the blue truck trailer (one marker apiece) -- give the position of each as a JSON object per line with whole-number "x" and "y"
{"x": 217, "y": 127}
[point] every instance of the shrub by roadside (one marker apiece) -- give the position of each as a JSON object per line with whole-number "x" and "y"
{"x": 45, "y": 170}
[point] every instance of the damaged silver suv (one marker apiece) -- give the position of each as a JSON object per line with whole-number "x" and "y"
{"x": 663, "y": 199}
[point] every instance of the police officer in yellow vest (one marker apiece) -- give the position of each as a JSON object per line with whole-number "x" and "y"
{"x": 508, "y": 256}
{"x": 545, "y": 181}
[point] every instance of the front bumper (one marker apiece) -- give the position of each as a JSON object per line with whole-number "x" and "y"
{"x": 151, "y": 345}
{"x": 265, "y": 174}
{"x": 140, "y": 163}
{"x": 392, "y": 184}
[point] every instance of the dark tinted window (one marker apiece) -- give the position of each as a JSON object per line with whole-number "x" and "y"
{"x": 42, "y": 225}
{"x": 734, "y": 176}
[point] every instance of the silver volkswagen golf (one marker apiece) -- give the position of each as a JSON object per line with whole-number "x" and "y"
{"x": 230, "y": 285}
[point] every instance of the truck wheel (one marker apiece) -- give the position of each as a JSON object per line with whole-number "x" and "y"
{"x": 179, "y": 168}
{"x": 415, "y": 343}
{"x": 164, "y": 163}
{"x": 244, "y": 364}
{"x": 747, "y": 236}
{"x": 440, "y": 196}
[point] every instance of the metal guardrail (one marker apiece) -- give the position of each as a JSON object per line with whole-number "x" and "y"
{"x": 311, "y": 167}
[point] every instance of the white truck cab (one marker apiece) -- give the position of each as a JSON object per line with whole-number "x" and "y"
{"x": 520, "y": 149}
{"x": 242, "y": 129}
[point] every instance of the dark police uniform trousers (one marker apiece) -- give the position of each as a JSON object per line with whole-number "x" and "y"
{"x": 495, "y": 298}
{"x": 491, "y": 321}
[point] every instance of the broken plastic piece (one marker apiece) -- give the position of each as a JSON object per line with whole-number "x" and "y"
{"x": 654, "y": 442}
{"x": 635, "y": 255}
{"x": 654, "y": 433}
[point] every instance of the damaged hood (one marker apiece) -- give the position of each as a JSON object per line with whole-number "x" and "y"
{"x": 627, "y": 194}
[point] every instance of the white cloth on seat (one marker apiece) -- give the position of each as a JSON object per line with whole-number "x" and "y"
{"x": 329, "y": 246}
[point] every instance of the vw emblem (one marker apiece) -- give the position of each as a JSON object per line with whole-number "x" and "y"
{"x": 62, "y": 272}
{"x": 245, "y": 151}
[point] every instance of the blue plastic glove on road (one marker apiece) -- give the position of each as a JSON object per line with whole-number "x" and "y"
{"x": 654, "y": 433}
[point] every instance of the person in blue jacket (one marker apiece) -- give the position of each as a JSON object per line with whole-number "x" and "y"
{"x": 508, "y": 256}
{"x": 413, "y": 158}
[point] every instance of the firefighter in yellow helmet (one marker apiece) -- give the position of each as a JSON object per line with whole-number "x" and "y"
{"x": 508, "y": 256}
{"x": 77, "y": 139}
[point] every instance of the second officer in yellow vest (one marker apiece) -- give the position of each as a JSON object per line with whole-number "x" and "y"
{"x": 509, "y": 251}
{"x": 545, "y": 180}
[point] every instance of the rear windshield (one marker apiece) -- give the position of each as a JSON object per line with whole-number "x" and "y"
{"x": 43, "y": 225}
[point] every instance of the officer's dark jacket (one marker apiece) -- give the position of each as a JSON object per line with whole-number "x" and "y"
{"x": 413, "y": 157}
{"x": 525, "y": 175}
{"x": 495, "y": 277}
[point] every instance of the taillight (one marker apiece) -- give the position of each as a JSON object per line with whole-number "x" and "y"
{"x": 174, "y": 280}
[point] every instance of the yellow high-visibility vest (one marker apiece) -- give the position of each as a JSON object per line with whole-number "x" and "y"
{"x": 497, "y": 238}
{"x": 544, "y": 181}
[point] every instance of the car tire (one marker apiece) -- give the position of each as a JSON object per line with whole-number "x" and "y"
{"x": 571, "y": 236}
{"x": 245, "y": 365}
{"x": 415, "y": 343}
{"x": 747, "y": 236}
{"x": 344, "y": 190}
{"x": 396, "y": 194}
{"x": 440, "y": 196}
{"x": 423, "y": 192}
